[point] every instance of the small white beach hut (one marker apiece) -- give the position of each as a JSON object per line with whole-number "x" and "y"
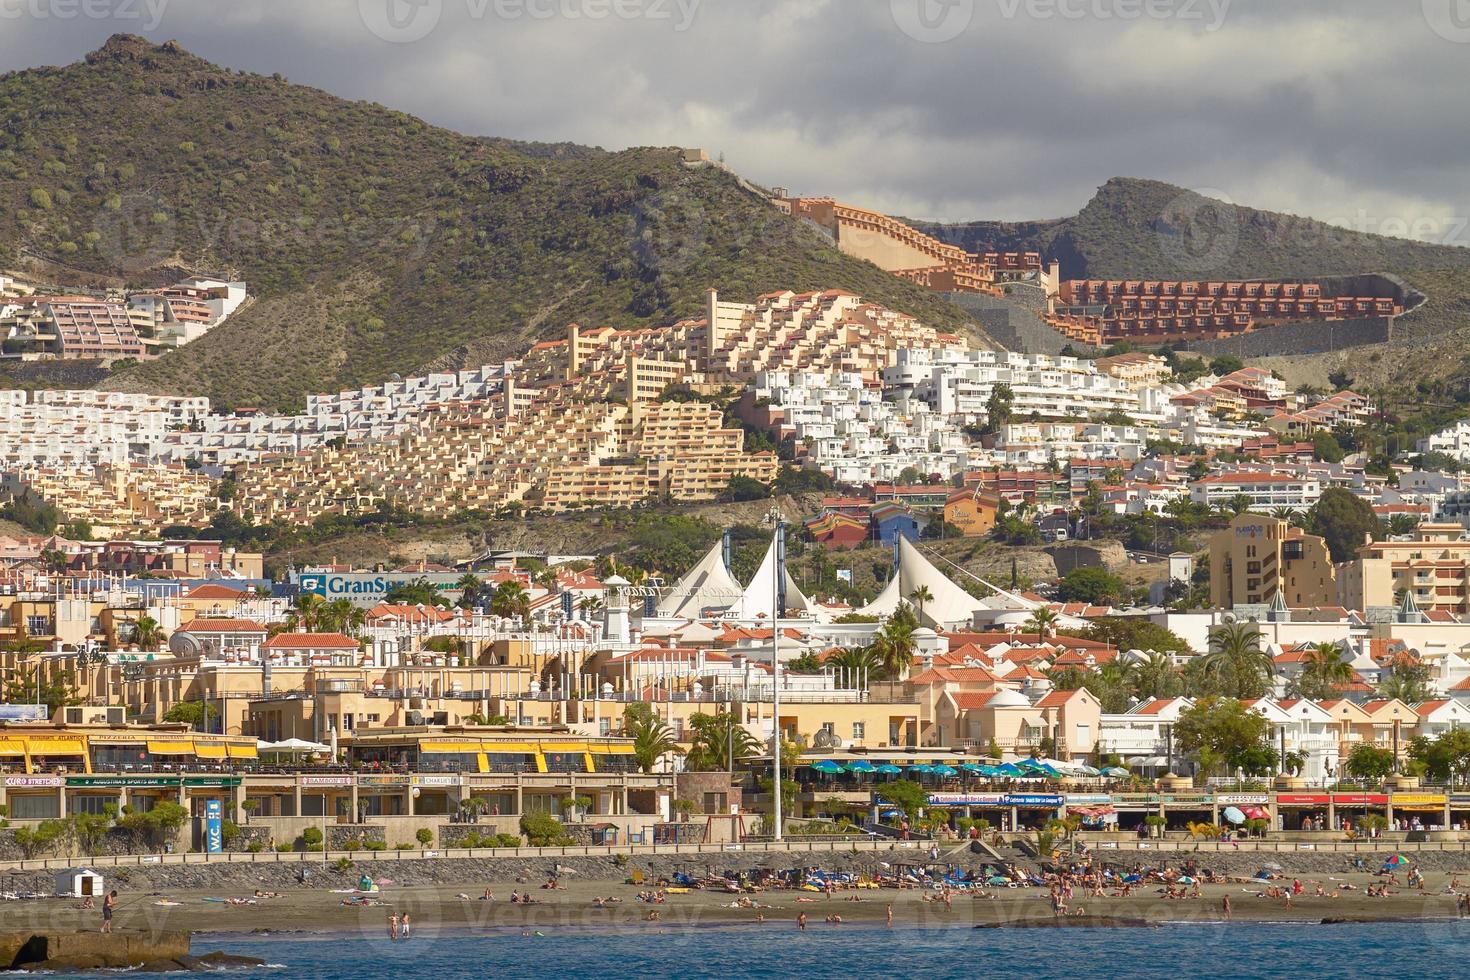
{"x": 78, "y": 883}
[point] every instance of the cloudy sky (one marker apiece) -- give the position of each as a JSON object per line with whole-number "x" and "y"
{"x": 1353, "y": 111}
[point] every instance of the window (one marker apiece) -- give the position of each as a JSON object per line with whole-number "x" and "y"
{"x": 829, "y": 728}
{"x": 859, "y": 731}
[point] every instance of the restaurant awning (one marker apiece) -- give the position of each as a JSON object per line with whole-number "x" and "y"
{"x": 238, "y": 750}
{"x": 445, "y": 746}
{"x": 11, "y": 747}
{"x": 612, "y": 750}
{"x": 210, "y": 750}
{"x": 159, "y": 746}
{"x": 56, "y": 746}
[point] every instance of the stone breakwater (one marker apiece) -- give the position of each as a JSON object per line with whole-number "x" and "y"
{"x": 155, "y": 952}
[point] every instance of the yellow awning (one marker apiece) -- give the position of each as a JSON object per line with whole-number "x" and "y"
{"x": 10, "y": 746}
{"x": 56, "y": 746}
{"x": 508, "y": 748}
{"x": 242, "y": 751}
{"x": 158, "y": 746}
{"x": 210, "y": 750}
{"x": 449, "y": 747}
{"x": 612, "y": 750}
{"x": 563, "y": 746}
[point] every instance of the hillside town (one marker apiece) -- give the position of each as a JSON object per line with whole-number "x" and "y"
{"x": 1301, "y": 582}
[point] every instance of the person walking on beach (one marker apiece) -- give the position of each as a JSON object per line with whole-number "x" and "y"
{"x": 393, "y": 927}
{"x": 404, "y": 927}
{"x": 890, "y": 915}
{"x": 109, "y": 905}
{"x": 1225, "y": 906}
{"x": 801, "y": 921}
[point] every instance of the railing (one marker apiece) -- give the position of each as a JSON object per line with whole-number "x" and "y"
{"x": 824, "y": 845}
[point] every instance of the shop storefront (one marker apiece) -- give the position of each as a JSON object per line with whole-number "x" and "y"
{"x": 1297, "y": 811}
{"x": 1420, "y": 811}
{"x": 1349, "y": 809}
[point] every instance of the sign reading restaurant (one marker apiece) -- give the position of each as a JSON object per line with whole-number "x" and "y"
{"x": 370, "y": 588}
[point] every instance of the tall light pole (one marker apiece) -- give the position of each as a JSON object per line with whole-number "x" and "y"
{"x": 778, "y": 582}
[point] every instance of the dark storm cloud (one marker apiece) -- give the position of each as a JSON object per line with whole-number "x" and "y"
{"x": 1349, "y": 110}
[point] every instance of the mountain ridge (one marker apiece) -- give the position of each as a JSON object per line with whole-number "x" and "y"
{"x": 373, "y": 243}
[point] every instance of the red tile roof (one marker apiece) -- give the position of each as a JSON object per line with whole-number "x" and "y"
{"x": 311, "y": 641}
{"x": 205, "y": 625}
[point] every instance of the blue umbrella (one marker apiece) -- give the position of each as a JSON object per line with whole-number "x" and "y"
{"x": 1117, "y": 771}
{"x": 973, "y": 769}
{"x": 989, "y": 772}
{"x": 828, "y": 767}
{"x": 860, "y": 766}
{"x": 1010, "y": 770}
{"x": 889, "y": 769}
{"x": 944, "y": 771}
{"x": 920, "y": 768}
{"x": 1233, "y": 815}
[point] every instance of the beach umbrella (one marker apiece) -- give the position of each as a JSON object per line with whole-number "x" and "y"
{"x": 1088, "y": 771}
{"x": 920, "y": 768}
{"x": 1397, "y": 861}
{"x": 1009, "y": 770}
{"x": 944, "y": 771}
{"x": 973, "y": 769}
{"x": 889, "y": 769}
{"x": 1116, "y": 771}
{"x": 862, "y": 766}
{"x": 989, "y": 772}
{"x": 1233, "y": 815}
{"x": 827, "y": 767}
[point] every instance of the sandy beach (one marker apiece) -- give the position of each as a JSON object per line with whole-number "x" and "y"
{"x": 438, "y": 910}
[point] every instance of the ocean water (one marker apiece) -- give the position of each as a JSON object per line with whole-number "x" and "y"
{"x": 1228, "y": 950}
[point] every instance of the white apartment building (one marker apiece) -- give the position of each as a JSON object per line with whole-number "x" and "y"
{"x": 1453, "y": 440}
{"x": 1265, "y": 491}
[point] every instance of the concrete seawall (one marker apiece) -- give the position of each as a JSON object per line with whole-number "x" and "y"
{"x": 90, "y": 950}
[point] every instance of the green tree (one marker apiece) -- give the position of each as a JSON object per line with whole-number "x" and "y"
{"x": 1344, "y": 520}
{"x": 920, "y": 596}
{"x": 851, "y": 665}
{"x": 1095, "y": 585}
{"x": 1323, "y": 675}
{"x": 1236, "y": 660}
{"x": 195, "y": 714}
{"x": 1326, "y": 448}
{"x": 511, "y": 600}
{"x": 894, "y": 642}
{"x": 1408, "y": 680}
{"x": 742, "y": 488}
{"x": 419, "y": 592}
{"x": 1368, "y": 762}
{"x": 652, "y": 738}
{"x": 907, "y": 795}
{"x": 714, "y": 739}
{"x": 1221, "y": 731}
{"x": 147, "y": 633}
{"x": 1446, "y": 758}
{"x": 1042, "y": 622}
{"x": 999, "y": 407}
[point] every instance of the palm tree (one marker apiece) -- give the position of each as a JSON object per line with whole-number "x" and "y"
{"x": 511, "y": 600}
{"x": 340, "y": 615}
{"x": 1237, "y": 660}
{"x": 920, "y": 596}
{"x": 652, "y": 740}
{"x": 1112, "y": 685}
{"x": 1042, "y": 622}
{"x": 1324, "y": 672}
{"x": 469, "y": 587}
{"x": 591, "y": 606}
{"x": 716, "y": 740}
{"x": 1155, "y": 677}
{"x": 147, "y": 633}
{"x": 856, "y": 665}
{"x": 308, "y": 608}
{"x": 894, "y": 642}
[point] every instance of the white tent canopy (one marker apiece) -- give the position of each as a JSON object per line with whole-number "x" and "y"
{"x": 950, "y": 605}
{"x": 758, "y": 599}
{"x": 292, "y": 745}
{"x": 708, "y": 585}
